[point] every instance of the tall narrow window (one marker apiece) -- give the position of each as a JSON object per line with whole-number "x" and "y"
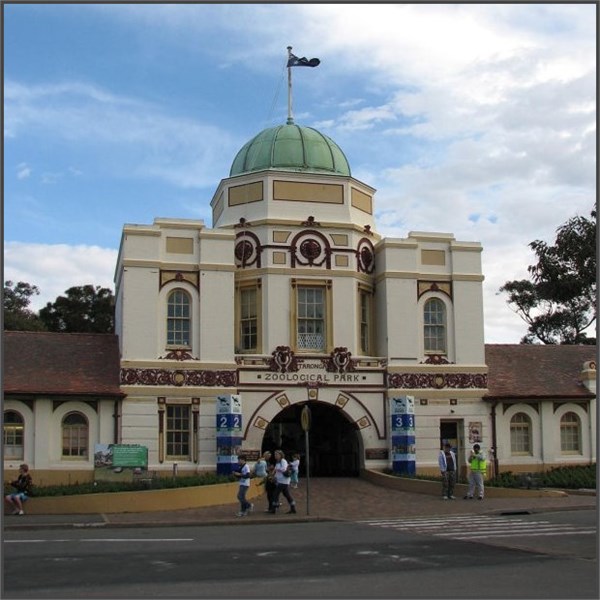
{"x": 75, "y": 434}
{"x": 311, "y": 318}
{"x": 570, "y": 433}
{"x": 520, "y": 434}
{"x": 178, "y": 319}
{"x": 365, "y": 321}
{"x": 14, "y": 435}
{"x": 248, "y": 320}
{"x": 178, "y": 431}
{"x": 434, "y": 320}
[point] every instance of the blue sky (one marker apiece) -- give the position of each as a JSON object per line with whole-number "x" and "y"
{"x": 478, "y": 120}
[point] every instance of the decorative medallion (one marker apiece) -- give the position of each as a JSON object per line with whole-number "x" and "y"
{"x": 310, "y": 249}
{"x": 340, "y": 361}
{"x": 436, "y": 359}
{"x": 283, "y": 360}
{"x": 283, "y": 401}
{"x": 341, "y": 401}
{"x": 247, "y": 250}
{"x": 365, "y": 256}
{"x": 177, "y": 354}
{"x": 260, "y": 423}
{"x": 363, "y": 422}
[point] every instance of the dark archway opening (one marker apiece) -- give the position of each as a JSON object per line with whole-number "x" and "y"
{"x": 333, "y": 440}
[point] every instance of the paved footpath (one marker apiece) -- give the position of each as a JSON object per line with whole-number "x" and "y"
{"x": 350, "y": 499}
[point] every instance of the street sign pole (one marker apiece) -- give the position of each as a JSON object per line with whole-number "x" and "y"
{"x": 305, "y": 418}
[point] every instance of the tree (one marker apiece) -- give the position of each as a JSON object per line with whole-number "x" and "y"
{"x": 559, "y": 302}
{"x": 17, "y": 314}
{"x": 84, "y": 309}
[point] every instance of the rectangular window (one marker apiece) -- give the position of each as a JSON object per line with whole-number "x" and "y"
{"x": 178, "y": 431}
{"x": 434, "y": 331}
{"x": 365, "y": 312}
{"x": 75, "y": 441}
{"x": 311, "y": 318}
{"x": 13, "y": 441}
{"x": 519, "y": 438}
{"x": 570, "y": 438}
{"x": 178, "y": 319}
{"x": 248, "y": 301}
{"x": 248, "y": 320}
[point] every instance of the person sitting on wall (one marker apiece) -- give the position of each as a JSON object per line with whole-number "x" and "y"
{"x": 22, "y": 485}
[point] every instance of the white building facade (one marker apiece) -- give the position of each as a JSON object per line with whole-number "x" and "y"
{"x": 292, "y": 298}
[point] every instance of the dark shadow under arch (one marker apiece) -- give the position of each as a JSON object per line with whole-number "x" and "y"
{"x": 334, "y": 441}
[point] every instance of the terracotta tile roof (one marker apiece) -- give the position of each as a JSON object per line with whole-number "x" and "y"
{"x": 537, "y": 371}
{"x": 61, "y": 363}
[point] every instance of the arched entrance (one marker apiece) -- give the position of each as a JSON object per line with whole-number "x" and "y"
{"x": 334, "y": 441}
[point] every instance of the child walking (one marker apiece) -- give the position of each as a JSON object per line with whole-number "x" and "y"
{"x": 295, "y": 464}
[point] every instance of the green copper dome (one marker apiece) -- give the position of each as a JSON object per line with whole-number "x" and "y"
{"x": 291, "y": 148}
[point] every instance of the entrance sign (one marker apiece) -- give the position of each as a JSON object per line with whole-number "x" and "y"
{"x": 402, "y": 413}
{"x": 229, "y": 432}
{"x": 311, "y": 371}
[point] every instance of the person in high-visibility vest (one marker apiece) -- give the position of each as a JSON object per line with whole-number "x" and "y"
{"x": 478, "y": 468}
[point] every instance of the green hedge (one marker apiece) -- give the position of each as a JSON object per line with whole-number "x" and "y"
{"x": 569, "y": 478}
{"x": 98, "y": 487}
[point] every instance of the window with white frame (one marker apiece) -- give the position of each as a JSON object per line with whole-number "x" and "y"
{"x": 570, "y": 433}
{"x": 178, "y": 319}
{"x": 434, "y": 326}
{"x": 311, "y": 318}
{"x": 178, "y": 431}
{"x": 75, "y": 436}
{"x": 14, "y": 435}
{"x": 365, "y": 311}
{"x": 520, "y": 434}
{"x": 248, "y": 315}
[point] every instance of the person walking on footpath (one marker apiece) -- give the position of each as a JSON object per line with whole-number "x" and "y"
{"x": 282, "y": 476}
{"x": 295, "y": 464}
{"x": 243, "y": 474}
{"x": 22, "y": 485}
{"x": 447, "y": 462}
{"x": 478, "y": 469}
{"x": 260, "y": 467}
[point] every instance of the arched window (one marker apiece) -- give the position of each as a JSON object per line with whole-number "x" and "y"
{"x": 434, "y": 321}
{"x": 178, "y": 319}
{"x": 570, "y": 433}
{"x": 520, "y": 434}
{"x": 14, "y": 435}
{"x": 75, "y": 434}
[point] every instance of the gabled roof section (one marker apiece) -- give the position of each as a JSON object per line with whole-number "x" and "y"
{"x": 537, "y": 371}
{"x": 61, "y": 363}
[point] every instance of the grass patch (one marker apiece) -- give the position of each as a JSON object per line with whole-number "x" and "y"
{"x": 568, "y": 478}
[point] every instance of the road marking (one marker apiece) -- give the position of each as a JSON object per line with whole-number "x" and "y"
{"x": 94, "y": 540}
{"x": 472, "y": 527}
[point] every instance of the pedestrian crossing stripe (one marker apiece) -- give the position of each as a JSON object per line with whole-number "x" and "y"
{"x": 474, "y": 527}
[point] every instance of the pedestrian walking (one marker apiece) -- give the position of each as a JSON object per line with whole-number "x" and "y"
{"x": 478, "y": 469}
{"x": 282, "y": 476}
{"x": 260, "y": 467}
{"x": 295, "y": 464}
{"x": 447, "y": 462}
{"x": 243, "y": 474}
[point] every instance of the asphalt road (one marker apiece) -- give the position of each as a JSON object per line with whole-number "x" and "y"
{"x": 517, "y": 557}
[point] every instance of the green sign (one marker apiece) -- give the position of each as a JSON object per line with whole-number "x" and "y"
{"x": 129, "y": 455}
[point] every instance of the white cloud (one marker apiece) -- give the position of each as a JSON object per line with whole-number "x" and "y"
{"x": 23, "y": 171}
{"x": 134, "y": 136}
{"x": 54, "y": 268}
